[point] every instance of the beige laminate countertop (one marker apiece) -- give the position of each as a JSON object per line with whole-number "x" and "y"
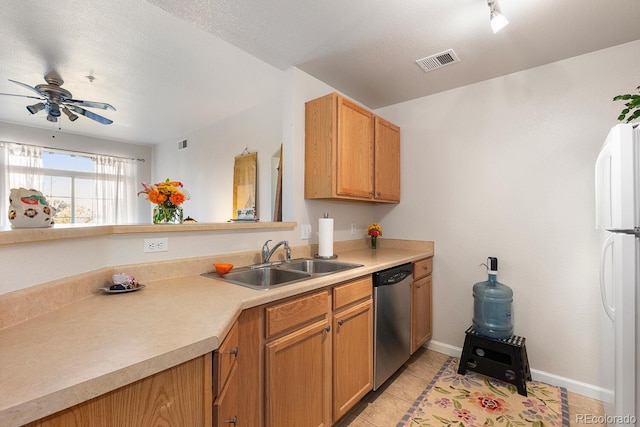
{"x": 106, "y": 341}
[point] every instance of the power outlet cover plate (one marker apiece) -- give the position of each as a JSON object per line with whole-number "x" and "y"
{"x": 305, "y": 231}
{"x": 156, "y": 245}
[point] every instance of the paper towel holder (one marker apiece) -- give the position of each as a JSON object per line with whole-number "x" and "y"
{"x": 318, "y": 256}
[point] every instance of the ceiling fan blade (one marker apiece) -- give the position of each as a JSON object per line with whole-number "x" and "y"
{"x": 91, "y": 104}
{"x": 23, "y": 96}
{"x": 26, "y": 86}
{"x": 89, "y": 114}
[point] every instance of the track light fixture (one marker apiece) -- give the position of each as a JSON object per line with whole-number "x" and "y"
{"x": 498, "y": 21}
{"x": 35, "y": 107}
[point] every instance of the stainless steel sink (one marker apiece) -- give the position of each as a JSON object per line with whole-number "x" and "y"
{"x": 278, "y": 274}
{"x": 262, "y": 277}
{"x": 318, "y": 266}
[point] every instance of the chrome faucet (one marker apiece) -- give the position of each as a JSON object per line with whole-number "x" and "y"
{"x": 266, "y": 253}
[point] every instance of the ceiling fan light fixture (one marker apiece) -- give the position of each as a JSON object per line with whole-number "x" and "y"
{"x": 51, "y": 118}
{"x": 35, "y": 107}
{"x": 498, "y": 21}
{"x": 69, "y": 114}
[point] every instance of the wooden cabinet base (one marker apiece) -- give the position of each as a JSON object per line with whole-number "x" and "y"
{"x": 179, "y": 396}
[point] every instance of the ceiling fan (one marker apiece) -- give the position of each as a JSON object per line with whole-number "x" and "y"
{"x": 55, "y": 99}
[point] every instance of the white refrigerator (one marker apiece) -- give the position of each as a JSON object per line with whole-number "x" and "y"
{"x": 618, "y": 212}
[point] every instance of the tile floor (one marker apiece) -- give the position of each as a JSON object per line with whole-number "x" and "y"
{"x": 386, "y": 406}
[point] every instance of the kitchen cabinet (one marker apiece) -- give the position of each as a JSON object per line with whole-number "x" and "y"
{"x": 387, "y": 161}
{"x": 352, "y": 368}
{"x": 350, "y": 153}
{"x": 317, "y": 354}
{"x": 298, "y": 362}
{"x": 225, "y": 381}
{"x": 421, "y": 303}
{"x": 179, "y": 396}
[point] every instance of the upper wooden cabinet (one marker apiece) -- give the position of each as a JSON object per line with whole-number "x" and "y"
{"x": 350, "y": 153}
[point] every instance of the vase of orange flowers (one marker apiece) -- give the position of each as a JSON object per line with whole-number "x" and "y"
{"x": 374, "y": 231}
{"x": 168, "y": 196}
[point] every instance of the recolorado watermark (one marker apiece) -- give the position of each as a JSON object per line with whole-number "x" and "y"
{"x": 606, "y": 419}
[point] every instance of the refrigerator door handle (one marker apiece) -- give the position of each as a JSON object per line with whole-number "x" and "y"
{"x": 608, "y": 308}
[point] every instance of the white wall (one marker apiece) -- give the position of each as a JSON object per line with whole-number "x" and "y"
{"x": 505, "y": 168}
{"x": 206, "y": 166}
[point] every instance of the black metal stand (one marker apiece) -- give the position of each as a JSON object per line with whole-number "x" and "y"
{"x": 504, "y": 360}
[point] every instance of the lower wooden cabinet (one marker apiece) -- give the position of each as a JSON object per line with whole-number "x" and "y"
{"x": 179, "y": 396}
{"x": 318, "y": 355}
{"x": 421, "y": 304}
{"x": 225, "y": 381}
{"x": 352, "y": 356}
{"x": 297, "y": 378}
{"x": 225, "y": 407}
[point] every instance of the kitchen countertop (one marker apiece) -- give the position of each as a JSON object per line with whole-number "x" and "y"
{"x": 106, "y": 341}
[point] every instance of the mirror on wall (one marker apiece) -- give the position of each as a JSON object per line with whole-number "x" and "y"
{"x": 276, "y": 185}
{"x": 245, "y": 172}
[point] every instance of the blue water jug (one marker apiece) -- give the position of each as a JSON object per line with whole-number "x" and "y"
{"x": 492, "y": 305}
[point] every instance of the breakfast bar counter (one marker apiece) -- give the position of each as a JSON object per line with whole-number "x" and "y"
{"x": 106, "y": 341}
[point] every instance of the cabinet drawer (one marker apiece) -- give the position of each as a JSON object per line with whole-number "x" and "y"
{"x": 224, "y": 358}
{"x": 351, "y": 292}
{"x": 422, "y": 268}
{"x": 287, "y": 315}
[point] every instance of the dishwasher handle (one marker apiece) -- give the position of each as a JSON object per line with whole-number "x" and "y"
{"x": 392, "y": 279}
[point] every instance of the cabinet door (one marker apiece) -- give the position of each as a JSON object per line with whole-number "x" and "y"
{"x": 225, "y": 407}
{"x": 175, "y": 397}
{"x": 354, "y": 151}
{"x": 298, "y": 378}
{"x": 352, "y": 356}
{"x": 387, "y": 161}
{"x": 421, "y": 312}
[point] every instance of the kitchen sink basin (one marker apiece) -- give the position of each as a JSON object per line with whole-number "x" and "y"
{"x": 262, "y": 277}
{"x": 318, "y": 266}
{"x": 267, "y": 276}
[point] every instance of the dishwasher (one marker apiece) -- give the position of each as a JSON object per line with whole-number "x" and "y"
{"x": 392, "y": 321}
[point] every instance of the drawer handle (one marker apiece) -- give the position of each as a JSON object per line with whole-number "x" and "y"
{"x": 328, "y": 328}
{"x": 234, "y": 351}
{"x": 233, "y": 420}
{"x": 340, "y": 322}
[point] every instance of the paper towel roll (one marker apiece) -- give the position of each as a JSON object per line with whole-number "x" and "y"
{"x": 325, "y": 237}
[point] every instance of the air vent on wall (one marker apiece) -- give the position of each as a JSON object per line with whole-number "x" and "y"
{"x": 438, "y": 60}
{"x": 182, "y": 144}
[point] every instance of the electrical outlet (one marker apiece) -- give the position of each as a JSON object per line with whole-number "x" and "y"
{"x": 354, "y": 229}
{"x": 156, "y": 245}
{"x": 305, "y": 231}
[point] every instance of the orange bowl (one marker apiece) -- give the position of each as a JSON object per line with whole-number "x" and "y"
{"x": 223, "y": 268}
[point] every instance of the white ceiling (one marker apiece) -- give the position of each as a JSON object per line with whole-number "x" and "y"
{"x": 171, "y": 67}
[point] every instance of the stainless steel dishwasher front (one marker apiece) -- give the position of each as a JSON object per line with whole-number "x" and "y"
{"x": 392, "y": 321}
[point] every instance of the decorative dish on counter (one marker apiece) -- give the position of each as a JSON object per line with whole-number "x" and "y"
{"x": 119, "y": 289}
{"x": 123, "y": 282}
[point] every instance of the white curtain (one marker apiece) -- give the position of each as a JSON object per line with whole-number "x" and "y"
{"x": 20, "y": 166}
{"x": 115, "y": 190}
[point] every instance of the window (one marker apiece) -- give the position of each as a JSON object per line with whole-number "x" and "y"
{"x": 84, "y": 188}
{"x": 70, "y": 187}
